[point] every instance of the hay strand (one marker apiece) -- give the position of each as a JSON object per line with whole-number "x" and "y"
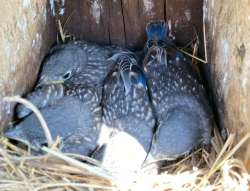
{"x": 58, "y": 171}
{"x": 95, "y": 170}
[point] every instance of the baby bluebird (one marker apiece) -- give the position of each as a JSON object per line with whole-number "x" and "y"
{"x": 183, "y": 114}
{"x": 70, "y": 119}
{"x": 127, "y": 116}
{"x": 65, "y": 67}
{"x": 69, "y": 95}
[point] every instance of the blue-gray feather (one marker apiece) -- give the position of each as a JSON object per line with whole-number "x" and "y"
{"x": 179, "y": 99}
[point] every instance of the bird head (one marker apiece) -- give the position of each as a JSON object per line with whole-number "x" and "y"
{"x": 62, "y": 65}
{"x": 130, "y": 72}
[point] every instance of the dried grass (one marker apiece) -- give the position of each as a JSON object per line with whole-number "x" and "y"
{"x": 216, "y": 170}
{"x": 201, "y": 170}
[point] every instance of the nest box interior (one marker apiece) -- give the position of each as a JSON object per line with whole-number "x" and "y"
{"x": 29, "y": 28}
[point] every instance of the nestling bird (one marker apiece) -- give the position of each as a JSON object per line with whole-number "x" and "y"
{"x": 89, "y": 63}
{"x": 71, "y": 74}
{"x": 127, "y": 114}
{"x": 69, "y": 118}
{"x": 65, "y": 67}
{"x": 179, "y": 99}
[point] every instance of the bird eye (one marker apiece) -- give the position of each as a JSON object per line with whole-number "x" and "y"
{"x": 67, "y": 75}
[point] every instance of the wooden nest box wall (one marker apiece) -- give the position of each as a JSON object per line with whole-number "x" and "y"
{"x": 29, "y": 28}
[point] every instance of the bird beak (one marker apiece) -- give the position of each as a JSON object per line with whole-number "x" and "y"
{"x": 44, "y": 81}
{"x": 57, "y": 82}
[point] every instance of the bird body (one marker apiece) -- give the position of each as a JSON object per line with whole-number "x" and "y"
{"x": 127, "y": 114}
{"x": 69, "y": 118}
{"x": 67, "y": 68}
{"x": 179, "y": 100}
{"x": 69, "y": 95}
{"x": 89, "y": 62}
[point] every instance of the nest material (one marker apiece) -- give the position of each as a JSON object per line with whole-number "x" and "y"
{"x": 201, "y": 170}
{"x": 216, "y": 170}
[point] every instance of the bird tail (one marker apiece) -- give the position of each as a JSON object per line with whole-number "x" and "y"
{"x": 128, "y": 68}
{"x": 157, "y": 30}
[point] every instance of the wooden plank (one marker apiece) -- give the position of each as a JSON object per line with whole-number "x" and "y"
{"x": 116, "y": 23}
{"x": 87, "y": 20}
{"x": 71, "y": 19}
{"x": 122, "y": 22}
{"x": 184, "y": 14}
{"x": 94, "y": 21}
{"x": 136, "y": 15}
{"x": 27, "y": 30}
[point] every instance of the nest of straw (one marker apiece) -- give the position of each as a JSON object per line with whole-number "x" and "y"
{"x": 201, "y": 170}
